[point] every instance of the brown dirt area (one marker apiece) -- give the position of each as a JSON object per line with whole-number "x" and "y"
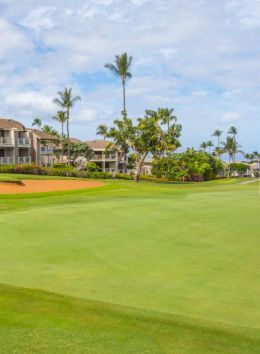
{"x": 38, "y": 186}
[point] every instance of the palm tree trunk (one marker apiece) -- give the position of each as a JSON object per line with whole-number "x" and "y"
{"x": 123, "y": 83}
{"x": 68, "y": 135}
{"x": 62, "y": 141}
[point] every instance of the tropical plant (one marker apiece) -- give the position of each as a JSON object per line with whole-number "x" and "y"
{"x": 50, "y": 130}
{"x": 204, "y": 145}
{"x": 102, "y": 130}
{"x": 37, "y": 122}
{"x": 145, "y": 137}
{"x": 231, "y": 147}
{"x": 190, "y": 165}
{"x": 217, "y": 133}
{"x": 61, "y": 117}
{"x": 92, "y": 167}
{"x": 67, "y": 101}
{"x": 121, "y": 68}
{"x": 80, "y": 153}
{"x": 209, "y": 145}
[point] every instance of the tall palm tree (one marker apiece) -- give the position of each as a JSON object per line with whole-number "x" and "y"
{"x": 209, "y": 145}
{"x": 231, "y": 147}
{"x": 233, "y": 131}
{"x": 61, "y": 117}
{"x": 121, "y": 68}
{"x": 102, "y": 130}
{"x": 66, "y": 101}
{"x": 217, "y": 133}
{"x": 37, "y": 122}
{"x": 203, "y": 145}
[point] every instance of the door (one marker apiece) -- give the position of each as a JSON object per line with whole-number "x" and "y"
{"x": 2, "y": 153}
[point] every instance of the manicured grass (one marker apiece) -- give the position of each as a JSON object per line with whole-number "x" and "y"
{"x": 183, "y": 257}
{"x": 9, "y": 178}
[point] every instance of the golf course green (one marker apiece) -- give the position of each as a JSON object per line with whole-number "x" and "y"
{"x": 131, "y": 268}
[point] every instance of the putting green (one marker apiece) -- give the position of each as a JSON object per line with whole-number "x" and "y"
{"x": 189, "y": 250}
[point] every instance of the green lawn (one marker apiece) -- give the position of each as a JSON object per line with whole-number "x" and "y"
{"x": 132, "y": 268}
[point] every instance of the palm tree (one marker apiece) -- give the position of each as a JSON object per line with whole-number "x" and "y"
{"x": 66, "y": 101}
{"x": 61, "y": 117}
{"x": 49, "y": 130}
{"x": 102, "y": 130}
{"x": 203, "y": 145}
{"x": 217, "y": 133}
{"x": 231, "y": 147}
{"x": 37, "y": 122}
{"x": 209, "y": 145}
{"x": 233, "y": 131}
{"x": 121, "y": 69}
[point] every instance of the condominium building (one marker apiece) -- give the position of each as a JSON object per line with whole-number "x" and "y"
{"x": 20, "y": 145}
{"x": 107, "y": 159}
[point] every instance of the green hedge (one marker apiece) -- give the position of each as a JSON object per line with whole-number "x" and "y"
{"x": 44, "y": 171}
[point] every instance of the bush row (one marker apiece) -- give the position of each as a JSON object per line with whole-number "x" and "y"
{"x": 44, "y": 171}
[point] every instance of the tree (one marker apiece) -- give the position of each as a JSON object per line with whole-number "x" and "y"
{"x": 233, "y": 132}
{"x": 61, "y": 117}
{"x": 217, "y": 133}
{"x": 67, "y": 101}
{"x": 203, "y": 146}
{"x": 37, "y": 122}
{"x": 121, "y": 68}
{"x": 231, "y": 147}
{"x": 50, "y": 130}
{"x": 209, "y": 145}
{"x": 102, "y": 130}
{"x": 80, "y": 153}
{"x": 145, "y": 137}
{"x": 190, "y": 165}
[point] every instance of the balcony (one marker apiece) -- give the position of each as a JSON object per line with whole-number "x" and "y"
{"x": 46, "y": 150}
{"x": 4, "y": 141}
{"x": 104, "y": 158}
{"x": 24, "y": 159}
{"x": 7, "y": 160}
{"x": 24, "y": 142}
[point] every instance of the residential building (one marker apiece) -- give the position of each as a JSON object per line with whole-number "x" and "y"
{"x": 20, "y": 145}
{"x": 107, "y": 159}
{"x": 15, "y": 142}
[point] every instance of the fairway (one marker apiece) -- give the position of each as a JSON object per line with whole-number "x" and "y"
{"x": 132, "y": 268}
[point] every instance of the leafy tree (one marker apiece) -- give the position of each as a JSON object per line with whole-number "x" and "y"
{"x": 190, "y": 165}
{"x": 145, "y": 137}
{"x": 92, "y": 167}
{"x": 239, "y": 167}
{"x": 80, "y": 153}
{"x": 67, "y": 101}
{"x": 37, "y": 122}
{"x": 121, "y": 68}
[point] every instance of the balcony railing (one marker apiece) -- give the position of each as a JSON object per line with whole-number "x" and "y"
{"x": 104, "y": 157}
{"x": 6, "y": 141}
{"x": 24, "y": 159}
{"x": 46, "y": 150}
{"x": 7, "y": 160}
{"x": 24, "y": 142}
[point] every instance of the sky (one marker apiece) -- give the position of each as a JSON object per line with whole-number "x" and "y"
{"x": 200, "y": 57}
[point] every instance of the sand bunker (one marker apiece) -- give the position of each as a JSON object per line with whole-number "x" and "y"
{"x": 37, "y": 186}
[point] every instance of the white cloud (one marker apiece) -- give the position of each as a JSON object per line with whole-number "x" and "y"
{"x": 30, "y": 101}
{"x": 231, "y": 117}
{"x": 204, "y": 65}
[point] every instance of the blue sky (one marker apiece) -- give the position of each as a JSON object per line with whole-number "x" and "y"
{"x": 200, "y": 57}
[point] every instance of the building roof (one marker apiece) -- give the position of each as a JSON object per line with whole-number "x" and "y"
{"x": 10, "y": 124}
{"x": 97, "y": 144}
{"x": 42, "y": 135}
